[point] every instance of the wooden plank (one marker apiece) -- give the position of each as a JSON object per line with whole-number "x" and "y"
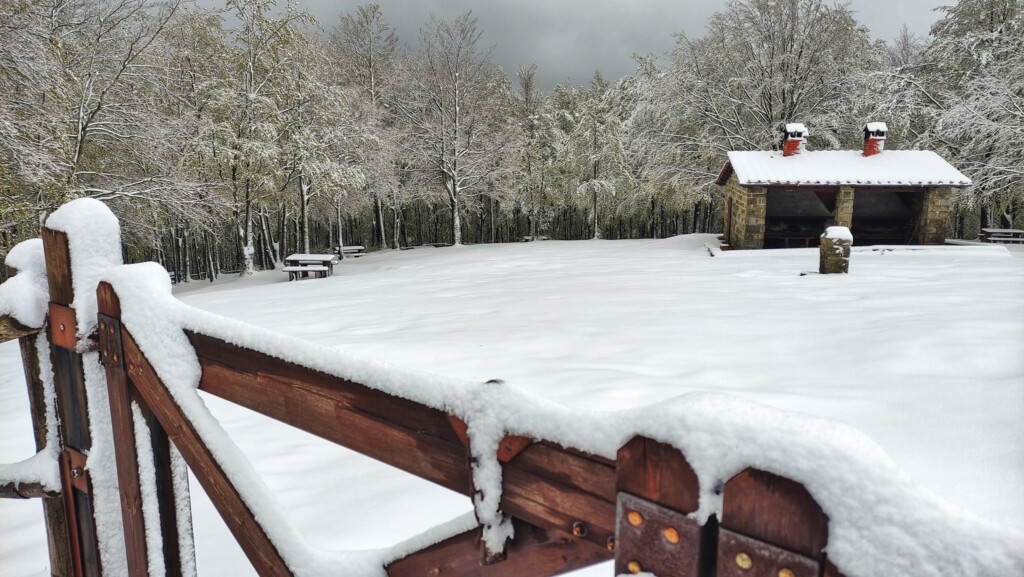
{"x": 72, "y": 410}
{"x": 668, "y": 489}
{"x": 320, "y": 409}
{"x": 533, "y": 553}
{"x": 774, "y": 510}
{"x": 11, "y": 329}
{"x": 25, "y": 490}
{"x": 127, "y": 459}
{"x": 122, "y": 393}
{"x": 250, "y": 535}
{"x": 658, "y": 472}
{"x": 551, "y": 505}
{"x": 372, "y": 402}
{"x": 568, "y": 468}
{"x": 54, "y": 511}
{"x": 58, "y": 266}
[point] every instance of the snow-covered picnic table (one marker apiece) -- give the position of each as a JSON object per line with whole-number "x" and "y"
{"x": 354, "y": 250}
{"x": 299, "y": 265}
{"x": 1011, "y": 235}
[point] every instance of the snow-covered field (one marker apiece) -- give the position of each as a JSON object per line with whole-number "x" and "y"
{"x": 922, "y": 350}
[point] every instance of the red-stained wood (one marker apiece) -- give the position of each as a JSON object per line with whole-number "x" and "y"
{"x": 668, "y": 489}
{"x": 54, "y": 512}
{"x": 72, "y": 410}
{"x": 250, "y": 535}
{"x": 554, "y": 506}
{"x": 658, "y": 472}
{"x": 319, "y": 408}
{"x": 127, "y": 459}
{"x": 63, "y": 326}
{"x": 569, "y": 468}
{"x": 371, "y": 402}
{"x": 533, "y": 553}
{"x": 774, "y": 510}
{"x": 57, "y": 255}
{"x": 122, "y": 394}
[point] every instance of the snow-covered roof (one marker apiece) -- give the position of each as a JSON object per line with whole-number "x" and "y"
{"x": 876, "y": 127}
{"x": 842, "y": 167}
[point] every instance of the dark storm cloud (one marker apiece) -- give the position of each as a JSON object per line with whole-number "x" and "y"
{"x": 569, "y": 39}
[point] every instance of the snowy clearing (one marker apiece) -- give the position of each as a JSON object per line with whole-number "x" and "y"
{"x": 922, "y": 350}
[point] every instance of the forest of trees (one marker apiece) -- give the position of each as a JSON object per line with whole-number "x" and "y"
{"x": 226, "y": 138}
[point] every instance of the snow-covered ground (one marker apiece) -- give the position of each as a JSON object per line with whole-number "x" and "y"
{"x": 922, "y": 350}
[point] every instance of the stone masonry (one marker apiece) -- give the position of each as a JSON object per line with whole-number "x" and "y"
{"x": 932, "y": 220}
{"x": 844, "y": 207}
{"x": 746, "y": 229}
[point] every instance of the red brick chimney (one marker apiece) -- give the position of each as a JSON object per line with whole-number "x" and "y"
{"x": 794, "y": 134}
{"x": 874, "y": 138}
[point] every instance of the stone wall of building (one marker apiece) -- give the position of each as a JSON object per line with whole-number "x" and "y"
{"x": 932, "y": 219}
{"x": 748, "y": 204}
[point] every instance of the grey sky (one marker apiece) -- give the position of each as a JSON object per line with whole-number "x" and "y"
{"x": 569, "y": 39}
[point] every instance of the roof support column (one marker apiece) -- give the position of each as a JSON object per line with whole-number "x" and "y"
{"x": 933, "y": 216}
{"x": 844, "y": 207}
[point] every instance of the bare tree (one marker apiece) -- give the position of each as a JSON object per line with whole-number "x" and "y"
{"x": 450, "y": 106}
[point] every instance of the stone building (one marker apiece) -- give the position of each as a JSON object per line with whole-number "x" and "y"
{"x": 786, "y": 198}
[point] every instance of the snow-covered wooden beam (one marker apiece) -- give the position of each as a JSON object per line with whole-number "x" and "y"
{"x": 251, "y": 536}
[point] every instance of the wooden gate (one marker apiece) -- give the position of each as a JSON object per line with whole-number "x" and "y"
{"x": 569, "y": 508}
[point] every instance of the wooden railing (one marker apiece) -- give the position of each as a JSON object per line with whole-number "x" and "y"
{"x": 569, "y": 508}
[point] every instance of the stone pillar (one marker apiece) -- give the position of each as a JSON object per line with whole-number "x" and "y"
{"x": 834, "y": 250}
{"x": 844, "y": 206}
{"x": 933, "y": 216}
{"x": 753, "y": 223}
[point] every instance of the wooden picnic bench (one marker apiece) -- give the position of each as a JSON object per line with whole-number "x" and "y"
{"x": 353, "y": 251}
{"x": 1003, "y": 235}
{"x": 301, "y": 265}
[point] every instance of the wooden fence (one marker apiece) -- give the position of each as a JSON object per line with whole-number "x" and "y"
{"x": 570, "y": 509}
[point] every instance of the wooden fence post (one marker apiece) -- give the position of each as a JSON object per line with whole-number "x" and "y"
{"x": 54, "y": 512}
{"x": 69, "y": 384}
{"x": 771, "y": 526}
{"x": 122, "y": 395}
{"x": 657, "y": 488}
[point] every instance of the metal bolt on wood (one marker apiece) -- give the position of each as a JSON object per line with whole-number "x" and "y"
{"x": 671, "y": 535}
{"x": 610, "y": 544}
{"x": 786, "y": 572}
{"x": 579, "y": 529}
{"x": 744, "y": 561}
{"x": 635, "y": 518}
{"x": 634, "y": 567}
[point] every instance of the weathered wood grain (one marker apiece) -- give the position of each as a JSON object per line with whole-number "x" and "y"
{"x": 533, "y": 553}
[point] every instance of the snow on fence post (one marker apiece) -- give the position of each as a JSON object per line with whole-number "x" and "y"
{"x": 71, "y": 397}
{"x": 31, "y": 342}
{"x": 834, "y": 250}
{"x": 171, "y": 554}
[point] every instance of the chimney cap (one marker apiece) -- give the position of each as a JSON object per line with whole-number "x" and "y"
{"x": 875, "y": 129}
{"x": 794, "y": 130}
